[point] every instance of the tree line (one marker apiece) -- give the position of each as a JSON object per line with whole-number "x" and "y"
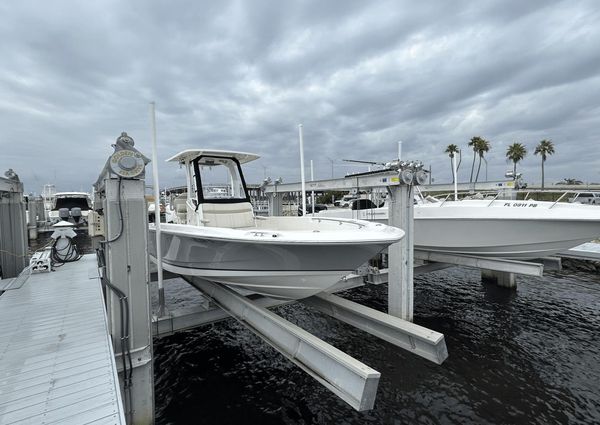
{"x": 515, "y": 153}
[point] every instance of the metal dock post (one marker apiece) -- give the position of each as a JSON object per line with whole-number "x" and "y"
{"x": 36, "y": 215}
{"x": 400, "y": 279}
{"x": 13, "y": 226}
{"x": 121, "y": 188}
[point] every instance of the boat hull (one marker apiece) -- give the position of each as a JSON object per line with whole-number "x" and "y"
{"x": 511, "y": 239}
{"x": 287, "y": 270}
{"x": 503, "y": 229}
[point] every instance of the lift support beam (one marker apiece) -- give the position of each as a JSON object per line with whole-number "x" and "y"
{"x": 496, "y": 264}
{"x": 348, "y": 378}
{"x": 421, "y": 341}
{"x": 192, "y": 317}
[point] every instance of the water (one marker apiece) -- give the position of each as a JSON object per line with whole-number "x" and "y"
{"x": 525, "y": 356}
{"x": 530, "y": 356}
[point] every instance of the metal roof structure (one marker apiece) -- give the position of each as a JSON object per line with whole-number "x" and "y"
{"x": 57, "y": 363}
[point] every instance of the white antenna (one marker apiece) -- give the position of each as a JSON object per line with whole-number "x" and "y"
{"x": 454, "y": 172}
{"x": 312, "y": 192}
{"x": 302, "y": 169}
{"x": 161, "y": 289}
{"x": 400, "y": 150}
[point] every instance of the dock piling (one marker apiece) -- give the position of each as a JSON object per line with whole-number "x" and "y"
{"x": 126, "y": 278}
{"x": 13, "y": 226}
{"x": 400, "y": 283}
{"x": 503, "y": 279}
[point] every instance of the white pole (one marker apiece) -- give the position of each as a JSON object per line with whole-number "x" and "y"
{"x": 454, "y": 172}
{"x": 161, "y": 289}
{"x": 302, "y": 169}
{"x": 400, "y": 150}
{"x": 312, "y": 192}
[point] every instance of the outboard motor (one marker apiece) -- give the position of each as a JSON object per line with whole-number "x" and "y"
{"x": 76, "y": 214}
{"x": 63, "y": 213}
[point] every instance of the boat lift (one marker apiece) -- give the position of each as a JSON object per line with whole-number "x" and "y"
{"x": 351, "y": 380}
{"x": 120, "y": 197}
{"x": 348, "y": 378}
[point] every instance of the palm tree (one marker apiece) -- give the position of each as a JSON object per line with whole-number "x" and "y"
{"x": 483, "y": 146}
{"x": 544, "y": 148}
{"x": 515, "y": 153}
{"x": 451, "y": 150}
{"x": 474, "y": 143}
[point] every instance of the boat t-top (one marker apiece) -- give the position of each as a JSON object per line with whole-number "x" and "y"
{"x": 217, "y": 236}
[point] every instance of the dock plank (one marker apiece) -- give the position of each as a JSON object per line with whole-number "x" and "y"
{"x": 56, "y": 358}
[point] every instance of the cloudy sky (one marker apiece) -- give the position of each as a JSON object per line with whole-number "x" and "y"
{"x": 359, "y": 75}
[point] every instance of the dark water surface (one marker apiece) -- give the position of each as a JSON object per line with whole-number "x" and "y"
{"x": 525, "y": 356}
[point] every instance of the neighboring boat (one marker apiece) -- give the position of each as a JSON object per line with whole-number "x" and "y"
{"x": 220, "y": 238}
{"x": 216, "y": 192}
{"x": 166, "y": 211}
{"x": 70, "y": 206}
{"x": 493, "y": 228}
{"x": 48, "y": 196}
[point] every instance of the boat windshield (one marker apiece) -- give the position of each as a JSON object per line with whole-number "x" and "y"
{"x": 220, "y": 179}
{"x": 71, "y": 203}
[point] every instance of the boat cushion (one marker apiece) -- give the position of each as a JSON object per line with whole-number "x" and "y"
{"x": 179, "y": 203}
{"x": 232, "y": 216}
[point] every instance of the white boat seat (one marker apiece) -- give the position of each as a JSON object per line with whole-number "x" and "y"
{"x": 233, "y": 216}
{"x": 179, "y": 203}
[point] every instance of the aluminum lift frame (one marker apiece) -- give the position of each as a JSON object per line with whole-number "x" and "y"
{"x": 351, "y": 380}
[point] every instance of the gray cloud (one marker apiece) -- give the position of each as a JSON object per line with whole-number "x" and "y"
{"x": 241, "y": 75}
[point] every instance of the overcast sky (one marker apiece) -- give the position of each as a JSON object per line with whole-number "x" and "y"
{"x": 359, "y": 75}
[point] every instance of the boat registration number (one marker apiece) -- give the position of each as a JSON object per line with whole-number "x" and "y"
{"x": 520, "y": 204}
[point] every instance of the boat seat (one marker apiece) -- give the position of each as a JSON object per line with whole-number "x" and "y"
{"x": 179, "y": 203}
{"x": 233, "y": 216}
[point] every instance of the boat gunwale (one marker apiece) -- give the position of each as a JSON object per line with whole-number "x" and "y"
{"x": 348, "y": 240}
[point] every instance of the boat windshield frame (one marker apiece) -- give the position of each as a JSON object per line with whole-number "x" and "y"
{"x": 199, "y": 189}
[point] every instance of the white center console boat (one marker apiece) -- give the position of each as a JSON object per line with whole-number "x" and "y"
{"x": 219, "y": 238}
{"x": 492, "y": 227}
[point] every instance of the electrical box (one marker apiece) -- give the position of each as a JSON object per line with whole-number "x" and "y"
{"x": 95, "y": 224}
{"x": 41, "y": 261}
